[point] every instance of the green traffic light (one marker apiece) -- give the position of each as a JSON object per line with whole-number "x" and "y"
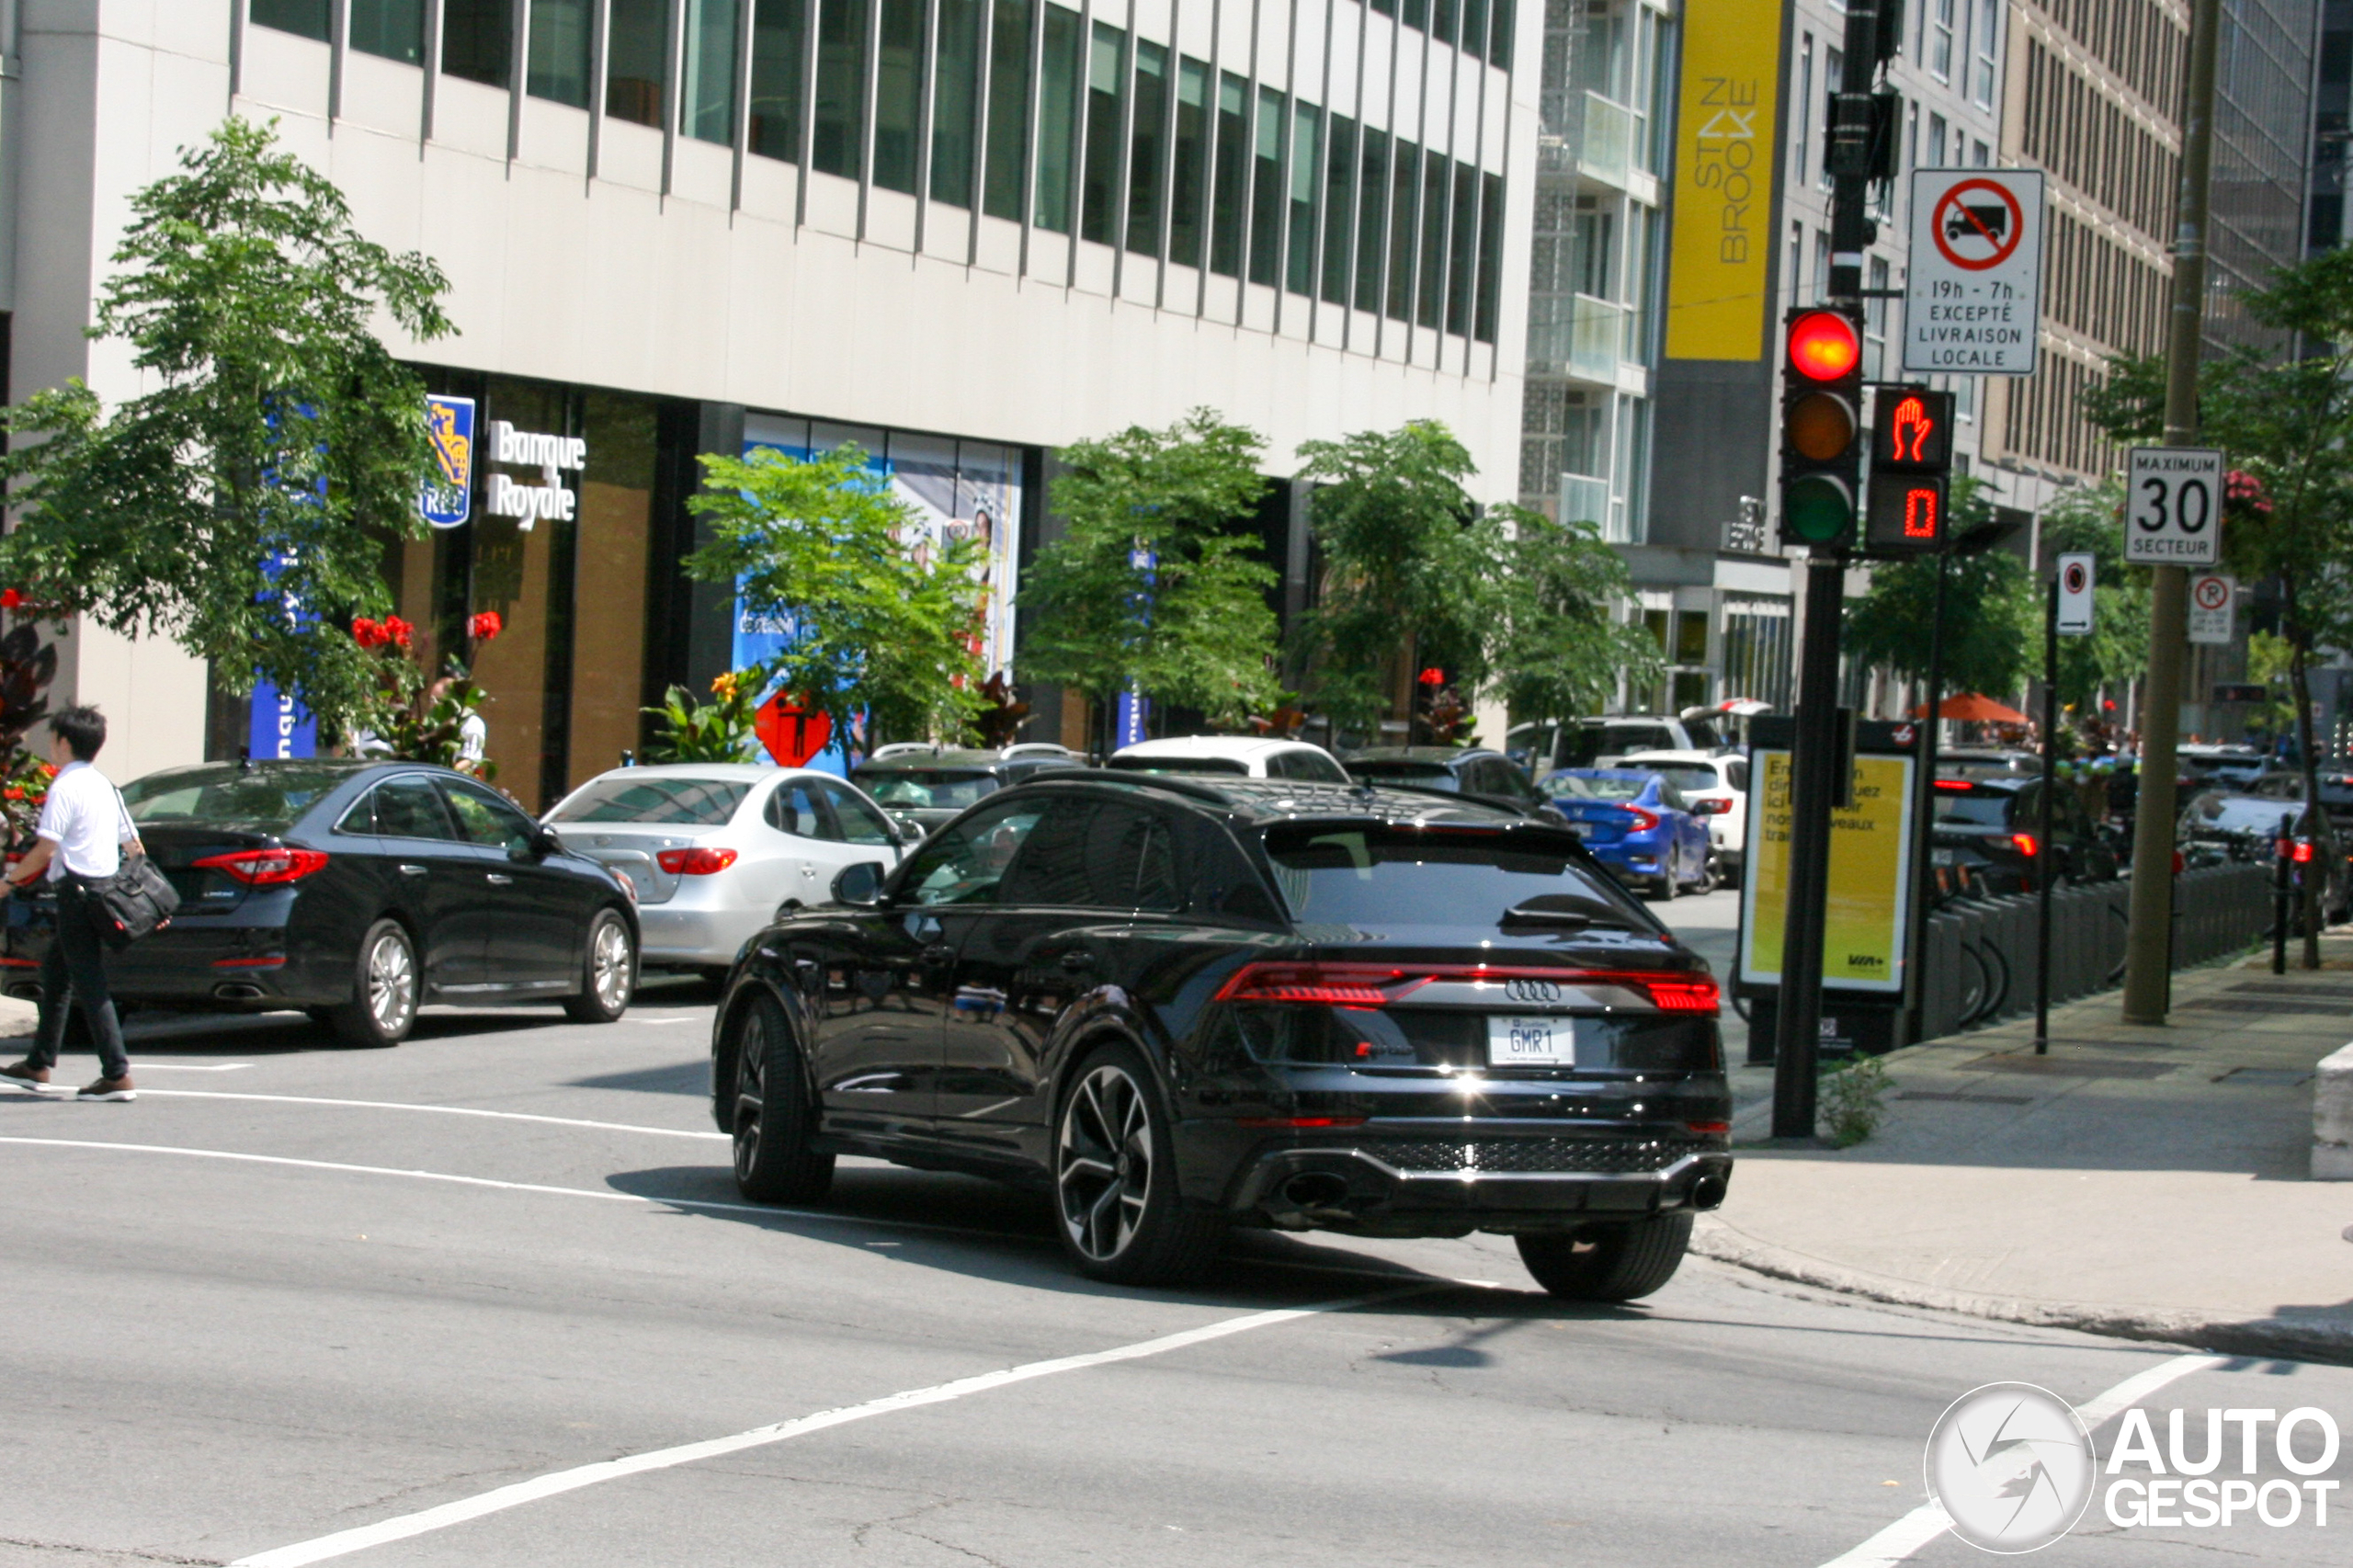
{"x": 1818, "y": 509}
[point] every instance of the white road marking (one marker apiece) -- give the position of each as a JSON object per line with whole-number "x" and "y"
{"x": 1926, "y": 1522}
{"x": 518, "y": 1185}
{"x": 441, "y": 1110}
{"x": 146, "y": 1066}
{"x": 344, "y": 1542}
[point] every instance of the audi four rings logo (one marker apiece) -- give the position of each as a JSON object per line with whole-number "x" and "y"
{"x": 1531, "y": 990}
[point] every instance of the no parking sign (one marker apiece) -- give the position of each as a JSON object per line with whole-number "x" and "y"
{"x": 2213, "y": 605}
{"x": 2076, "y": 608}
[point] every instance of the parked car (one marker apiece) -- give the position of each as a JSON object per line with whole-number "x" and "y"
{"x": 2219, "y": 826}
{"x": 923, "y": 786}
{"x": 1988, "y": 762}
{"x": 1638, "y": 824}
{"x": 1474, "y": 771}
{"x": 2227, "y": 765}
{"x": 1238, "y": 756}
{"x": 1716, "y": 789}
{"x": 1184, "y": 1003}
{"x": 1601, "y": 743}
{"x": 715, "y": 850}
{"x": 2288, "y": 784}
{"x": 357, "y": 891}
{"x": 1988, "y": 832}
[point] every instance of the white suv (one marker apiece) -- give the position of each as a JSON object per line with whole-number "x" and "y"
{"x": 1243, "y": 757}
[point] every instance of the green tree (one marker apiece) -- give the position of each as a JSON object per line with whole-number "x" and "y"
{"x": 1564, "y": 648}
{"x": 279, "y": 448}
{"x": 1151, "y": 587}
{"x": 877, "y": 627}
{"x": 1993, "y": 621}
{"x": 2117, "y": 651}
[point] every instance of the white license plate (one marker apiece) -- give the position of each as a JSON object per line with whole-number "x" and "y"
{"x": 1531, "y": 1042}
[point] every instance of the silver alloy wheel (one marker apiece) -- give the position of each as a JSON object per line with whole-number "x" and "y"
{"x": 750, "y": 1090}
{"x": 608, "y": 965}
{"x": 391, "y": 982}
{"x": 1103, "y": 1162}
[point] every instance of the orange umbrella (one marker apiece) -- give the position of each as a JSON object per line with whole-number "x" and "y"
{"x": 1971, "y": 706}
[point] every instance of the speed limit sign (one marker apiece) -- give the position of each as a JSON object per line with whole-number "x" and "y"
{"x": 2174, "y": 512}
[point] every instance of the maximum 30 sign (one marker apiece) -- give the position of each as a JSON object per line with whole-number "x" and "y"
{"x": 2174, "y": 510}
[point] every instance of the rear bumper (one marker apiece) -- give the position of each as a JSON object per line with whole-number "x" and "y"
{"x": 669, "y": 934}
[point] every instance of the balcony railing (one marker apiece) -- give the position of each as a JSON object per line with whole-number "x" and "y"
{"x": 1575, "y": 335}
{"x": 1587, "y": 135}
{"x": 1585, "y": 500}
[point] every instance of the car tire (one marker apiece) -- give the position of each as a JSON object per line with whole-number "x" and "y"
{"x": 1668, "y": 886}
{"x": 607, "y": 972}
{"x": 1117, "y": 1206}
{"x": 1705, "y": 882}
{"x": 772, "y": 1118}
{"x": 1620, "y": 1261}
{"x": 386, "y": 989}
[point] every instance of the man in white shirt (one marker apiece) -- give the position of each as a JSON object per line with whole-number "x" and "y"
{"x": 80, "y": 837}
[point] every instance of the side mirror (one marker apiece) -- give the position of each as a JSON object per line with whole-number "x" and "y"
{"x": 859, "y": 886}
{"x": 542, "y": 845}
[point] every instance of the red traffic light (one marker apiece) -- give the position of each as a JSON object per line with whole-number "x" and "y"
{"x": 1823, "y": 346}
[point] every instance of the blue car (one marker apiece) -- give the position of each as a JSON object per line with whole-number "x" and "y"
{"x": 1638, "y": 824}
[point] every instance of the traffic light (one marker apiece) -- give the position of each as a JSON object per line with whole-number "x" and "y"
{"x": 1911, "y": 456}
{"x": 1822, "y": 386}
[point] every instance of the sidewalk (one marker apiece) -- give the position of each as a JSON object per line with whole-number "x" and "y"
{"x": 2145, "y": 1182}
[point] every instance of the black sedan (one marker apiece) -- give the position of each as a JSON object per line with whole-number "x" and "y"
{"x": 357, "y": 891}
{"x": 1483, "y": 775}
{"x": 1181, "y": 1005}
{"x": 923, "y": 786}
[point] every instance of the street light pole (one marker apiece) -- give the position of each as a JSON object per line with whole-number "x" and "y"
{"x": 2148, "y": 942}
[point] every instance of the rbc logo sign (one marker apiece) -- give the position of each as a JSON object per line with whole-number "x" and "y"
{"x": 448, "y": 497}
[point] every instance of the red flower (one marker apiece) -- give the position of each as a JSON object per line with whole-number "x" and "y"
{"x": 368, "y": 633}
{"x": 11, "y": 599}
{"x": 12, "y": 793}
{"x": 1432, "y": 676}
{"x": 397, "y": 630}
{"x": 485, "y": 626}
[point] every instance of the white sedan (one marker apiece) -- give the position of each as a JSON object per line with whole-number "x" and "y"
{"x": 715, "y": 850}
{"x": 1716, "y": 786}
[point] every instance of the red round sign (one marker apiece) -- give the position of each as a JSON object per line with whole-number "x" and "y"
{"x": 1999, "y": 223}
{"x": 2212, "y": 593}
{"x": 2076, "y": 578}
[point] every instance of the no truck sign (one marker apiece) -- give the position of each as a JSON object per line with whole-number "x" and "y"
{"x": 1973, "y": 298}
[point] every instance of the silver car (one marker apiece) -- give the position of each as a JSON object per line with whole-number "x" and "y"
{"x": 716, "y": 850}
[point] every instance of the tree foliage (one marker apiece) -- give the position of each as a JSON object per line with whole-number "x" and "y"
{"x": 1992, "y": 622}
{"x": 242, "y": 503}
{"x": 822, "y": 547}
{"x": 1564, "y": 648}
{"x": 1151, "y": 587}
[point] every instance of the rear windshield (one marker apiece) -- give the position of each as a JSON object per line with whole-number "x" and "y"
{"x": 1688, "y": 776}
{"x": 926, "y": 788}
{"x": 1224, "y": 765}
{"x": 1372, "y": 876}
{"x": 1426, "y": 774}
{"x": 668, "y": 799}
{"x": 1703, "y": 734}
{"x": 1971, "y": 811}
{"x": 2241, "y": 813}
{"x": 1585, "y": 786}
{"x": 259, "y": 800}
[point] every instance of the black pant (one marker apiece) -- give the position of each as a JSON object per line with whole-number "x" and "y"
{"x": 76, "y": 970}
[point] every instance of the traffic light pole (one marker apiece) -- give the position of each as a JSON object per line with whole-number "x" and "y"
{"x": 1815, "y": 753}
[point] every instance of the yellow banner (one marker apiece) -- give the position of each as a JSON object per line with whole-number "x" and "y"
{"x": 1870, "y": 888}
{"x": 1724, "y": 169}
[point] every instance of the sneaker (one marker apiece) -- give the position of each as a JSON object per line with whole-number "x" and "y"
{"x": 24, "y": 1075}
{"x": 109, "y": 1089}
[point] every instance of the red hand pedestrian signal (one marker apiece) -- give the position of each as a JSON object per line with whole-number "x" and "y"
{"x": 1911, "y": 423}
{"x": 1911, "y": 431}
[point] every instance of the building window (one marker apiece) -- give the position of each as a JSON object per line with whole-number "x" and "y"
{"x": 477, "y": 38}
{"x": 1339, "y": 179}
{"x": 1435, "y": 186}
{"x": 1804, "y": 138}
{"x": 897, "y": 91}
{"x": 841, "y": 86}
{"x": 1405, "y": 187}
{"x": 1100, "y": 181}
{"x": 955, "y": 81}
{"x": 709, "y": 84}
{"x": 390, "y": 29}
{"x": 776, "y": 79}
{"x": 1875, "y": 324}
{"x": 1980, "y": 154}
{"x": 1939, "y": 50}
{"x": 1232, "y": 169}
{"x": 636, "y": 50}
{"x": 1306, "y": 168}
{"x": 1145, "y": 140}
{"x": 1491, "y": 256}
{"x": 558, "y": 67}
{"x": 304, "y": 18}
{"x": 1981, "y": 82}
{"x": 1008, "y": 109}
{"x": 1372, "y": 217}
{"x": 1462, "y": 249}
{"x": 1833, "y": 80}
{"x": 1057, "y": 119}
{"x": 1188, "y": 169}
{"x": 1267, "y": 190}
{"x": 1936, "y": 142}
{"x": 1793, "y": 269}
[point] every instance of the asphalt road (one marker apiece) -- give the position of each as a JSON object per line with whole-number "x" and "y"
{"x": 380, "y": 1309}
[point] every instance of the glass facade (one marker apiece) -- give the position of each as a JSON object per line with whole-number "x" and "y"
{"x": 775, "y": 129}
{"x": 637, "y": 47}
{"x": 557, "y": 68}
{"x": 477, "y": 40}
{"x": 707, "y": 90}
{"x": 393, "y": 29}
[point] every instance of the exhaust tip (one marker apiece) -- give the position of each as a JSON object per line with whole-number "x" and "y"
{"x": 237, "y": 992}
{"x": 1315, "y": 1189}
{"x": 1708, "y": 1191}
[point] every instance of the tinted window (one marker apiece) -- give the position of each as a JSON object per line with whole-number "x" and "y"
{"x": 1736, "y": 774}
{"x": 1638, "y": 738}
{"x": 411, "y": 808}
{"x": 263, "y": 799}
{"x": 855, "y": 820}
{"x": 1420, "y": 775}
{"x": 484, "y": 819}
{"x": 1313, "y": 765}
{"x": 1689, "y": 775}
{"x": 1971, "y": 811}
{"x": 1157, "y": 885}
{"x": 1221, "y": 764}
{"x": 1703, "y": 734}
{"x": 1672, "y": 798}
{"x": 926, "y": 788}
{"x": 681, "y": 802}
{"x": 1084, "y": 854}
{"x": 797, "y": 809}
{"x": 1374, "y": 876}
{"x": 964, "y": 864}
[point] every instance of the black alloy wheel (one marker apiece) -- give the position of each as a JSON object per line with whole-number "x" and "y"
{"x": 1618, "y": 1261}
{"x": 607, "y": 972}
{"x": 771, "y": 1119}
{"x": 385, "y": 990}
{"x": 1122, "y": 1217}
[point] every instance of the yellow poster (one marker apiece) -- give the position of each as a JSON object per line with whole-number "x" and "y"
{"x": 1866, "y": 914}
{"x": 1724, "y": 169}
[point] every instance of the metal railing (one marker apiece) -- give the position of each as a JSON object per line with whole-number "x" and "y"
{"x": 1586, "y": 135}
{"x": 1576, "y": 334}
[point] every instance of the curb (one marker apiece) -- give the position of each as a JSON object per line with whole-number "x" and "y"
{"x": 2333, "y": 1342}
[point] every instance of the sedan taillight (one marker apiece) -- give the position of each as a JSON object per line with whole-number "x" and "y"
{"x": 1643, "y": 820}
{"x": 265, "y": 868}
{"x": 695, "y": 862}
{"x": 1366, "y": 985}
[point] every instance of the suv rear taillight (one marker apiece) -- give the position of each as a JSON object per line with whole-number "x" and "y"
{"x": 264, "y": 867}
{"x": 697, "y": 862}
{"x": 1366, "y": 985}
